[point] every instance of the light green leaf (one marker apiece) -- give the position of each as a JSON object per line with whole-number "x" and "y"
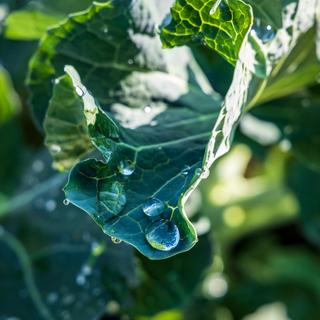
{"x": 65, "y": 126}
{"x": 9, "y": 99}
{"x": 29, "y": 24}
{"x": 219, "y": 24}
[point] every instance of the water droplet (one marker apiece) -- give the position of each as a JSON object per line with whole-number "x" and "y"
{"x": 115, "y": 240}
{"x": 130, "y": 61}
{"x": 66, "y": 202}
{"x": 167, "y": 20}
{"x": 163, "y": 235}
{"x": 56, "y": 81}
{"x": 205, "y": 174}
{"x": 147, "y": 109}
{"x": 105, "y": 29}
{"x": 126, "y": 167}
{"x": 198, "y": 172}
{"x": 79, "y": 92}
{"x": 153, "y": 207}
{"x": 264, "y": 33}
{"x": 55, "y": 148}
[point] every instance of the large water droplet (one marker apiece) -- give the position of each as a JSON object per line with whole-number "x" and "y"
{"x": 66, "y": 202}
{"x": 126, "y": 167}
{"x": 153, "y": 207}
{"x": 163, "y": 235}
{"x": 264, "y": 33}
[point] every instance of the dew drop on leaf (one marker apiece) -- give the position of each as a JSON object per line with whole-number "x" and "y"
{"x": 115, "y": 240}
{"x": 205, "y": 174}
{"x": 147, "y": 109}
{"x": 66, "y": 202}
{"x": 163, "y": 235}
{"x": 153, "y": 207}
{"x": 130, "y": 61}
{"x": 264, "y": 33}
{"x": 126, "y": 167}
{"x": 55, "y": 148}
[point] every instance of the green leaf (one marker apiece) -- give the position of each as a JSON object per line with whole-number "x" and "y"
{"x": 31, "y": 22}
{"x": 149, "y": 129}
{"x": 299, "y": 69}
{"x": 9, "y": 99}
{"x": 152, "y": 127}
{"x": 136, "y": 195}
{"x": 267, "y": 14}
{"x": 65, "y": 126}
{"x": 219, "y": 24}
{"x": 28, "y": 24}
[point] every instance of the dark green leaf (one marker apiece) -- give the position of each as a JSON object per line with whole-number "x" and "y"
{"x": 153, "y": 133}
{"x": 136, "y": 195}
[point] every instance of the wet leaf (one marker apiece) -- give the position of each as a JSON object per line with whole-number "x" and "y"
{"x": 219, "y": 24}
